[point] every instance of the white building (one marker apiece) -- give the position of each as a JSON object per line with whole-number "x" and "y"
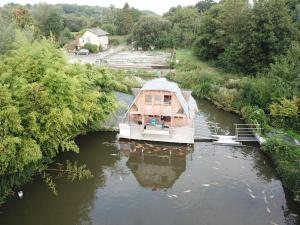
{"x": 95, "y": 36}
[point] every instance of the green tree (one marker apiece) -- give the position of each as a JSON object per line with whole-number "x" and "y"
{"x": 208, "y": 45}
{"x": 152, "y": 31}
{"x": 65, "y": 36}
{"x": 74, "y": 23}
{"x": 44, "y": 104}
{"x": 185, "y": 25}
{"x": 7, "y": 36}
{"x": 204, "y": 5}
{"x": 266, "y": 33}
{"x": 22, "y": 18}
{"x": 125, "y": 20}
{"x": 48, "y": 19}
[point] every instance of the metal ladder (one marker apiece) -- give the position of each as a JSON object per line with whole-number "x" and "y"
{"x": 247, "y": 132}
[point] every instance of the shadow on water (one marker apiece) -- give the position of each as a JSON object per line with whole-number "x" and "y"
{"x": 143, "y": 183}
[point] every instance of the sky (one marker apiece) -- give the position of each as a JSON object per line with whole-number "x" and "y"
{"x": 157, "y": 6}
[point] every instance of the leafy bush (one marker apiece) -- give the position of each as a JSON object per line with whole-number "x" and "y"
{"x": 65, "y": 36}
{"x": 257, "y": 92}
{"x": 286, "y": 113}
{"x": 203, "y": 87}
{"x": 225, "y": 97}
{"x": 255, "y": 115}
{"x": 286, "y": 158}
{"x": 91, "y": 47}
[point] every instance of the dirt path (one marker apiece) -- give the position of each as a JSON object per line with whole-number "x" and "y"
{"x": 121, "y": 57}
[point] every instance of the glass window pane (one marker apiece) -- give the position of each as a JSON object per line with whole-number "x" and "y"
{"x": 148, "y": 98}
{"x": 157, "y": 98}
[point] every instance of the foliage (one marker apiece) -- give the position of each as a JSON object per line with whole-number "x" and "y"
{"x": 91, "y": 47}
{"x": 74, "y": 23}
{"x": 72, "y": 172}
{"x": 65, "y": 36}
{"x": 114, "y": 41}
{"x": 285, "y": 113}
{"x": 152, "y": 32}
{"x": 7, "y": 36}
{"x": 125, "y": 20}
{"x": 287, "y": 71}
{"x": 218, "y": 28}
{"x": 44, "y": 104}
{"x": 225, "y": 97}
{"x": 204, "y": 5}
{"x": 257, "y": 92}
{"x": 255, "y": 115}
{"x": 185, "y": 25}
{"x": 245, "y": 39}
{"x": 22, "y": 17}
{"x": 110, "y": 28}
{"x": 286, "y": 158}
{"x": 48, "y": 20}
{"x": 45, "y": 20}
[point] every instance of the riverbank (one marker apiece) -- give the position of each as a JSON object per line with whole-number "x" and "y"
{"x": 209, "y": 183}
{"x": 249, "y": 98}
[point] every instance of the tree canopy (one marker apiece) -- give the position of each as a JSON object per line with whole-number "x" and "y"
{"x": 243, "y": 38}
{"x": 152, "y": 32}
{"x": 44, "y": 103}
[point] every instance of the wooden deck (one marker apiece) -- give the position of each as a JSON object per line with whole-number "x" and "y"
{"x": 181, "y": 135}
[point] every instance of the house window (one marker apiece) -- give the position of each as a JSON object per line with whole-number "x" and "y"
{"x": 148, "y": 99}
{"x": 167, "y": 99}
{"x": 157, "y": 99}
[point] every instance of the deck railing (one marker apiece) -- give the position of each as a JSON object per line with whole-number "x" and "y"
{"x": 247, "y": 132}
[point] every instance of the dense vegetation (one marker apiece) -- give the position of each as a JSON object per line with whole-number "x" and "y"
{"x": 63, "y": 21}
{"x": 252, "y": 68}
{"x": 44, "y": 104}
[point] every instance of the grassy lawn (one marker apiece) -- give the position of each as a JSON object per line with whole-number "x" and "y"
{"x": 188, "y": 55}
{"x": 190, "y": 72}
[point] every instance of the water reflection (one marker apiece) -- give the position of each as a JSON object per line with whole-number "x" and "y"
{"x": 155, "y": 166}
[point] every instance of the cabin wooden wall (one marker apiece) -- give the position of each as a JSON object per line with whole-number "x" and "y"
{"x": 142, "y": 107}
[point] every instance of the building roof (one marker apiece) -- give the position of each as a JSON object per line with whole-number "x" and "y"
{"x": 162, "y": 84}
{"x": 98, "y": 31}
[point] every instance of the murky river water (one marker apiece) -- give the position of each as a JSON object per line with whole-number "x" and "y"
{"x": 163, "y": 185}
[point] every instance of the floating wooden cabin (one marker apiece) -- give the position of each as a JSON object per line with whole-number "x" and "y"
{"x": 161, "y": 112}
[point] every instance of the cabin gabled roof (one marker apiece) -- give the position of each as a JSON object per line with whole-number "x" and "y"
{"x": 162, "y": 84}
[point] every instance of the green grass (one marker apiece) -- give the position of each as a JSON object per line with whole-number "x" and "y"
{"x": 188, "y": 55}
{"x": 122, "y": 39}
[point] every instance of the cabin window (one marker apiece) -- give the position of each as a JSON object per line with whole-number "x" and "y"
{"x": 167, "y": 99}
{"x": 148, "y": 99}
{"x": 157, "y": 99}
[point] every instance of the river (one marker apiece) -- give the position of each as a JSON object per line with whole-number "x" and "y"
{"x": 163, "y": 185}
